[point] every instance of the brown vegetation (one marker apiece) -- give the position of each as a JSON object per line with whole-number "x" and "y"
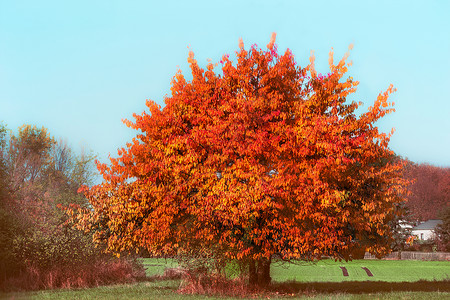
{"x": 90, "y": 274}
{"x": 38, "y": 250}
{"x": 429, "y": 191}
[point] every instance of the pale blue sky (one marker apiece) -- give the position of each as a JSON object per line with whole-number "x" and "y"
{"x": 79, "y": 67}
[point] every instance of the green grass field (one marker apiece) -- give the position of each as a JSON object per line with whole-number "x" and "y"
{"x": 167, "y": 290}
{"x": 382, "y": 270}
{"x": 330, "y": 271}
{"x": 321, "y": 280}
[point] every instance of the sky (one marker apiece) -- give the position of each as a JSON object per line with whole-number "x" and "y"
{"x": 79, "y": 67}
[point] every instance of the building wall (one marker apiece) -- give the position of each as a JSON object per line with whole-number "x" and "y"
{"x": 424, "y": 234}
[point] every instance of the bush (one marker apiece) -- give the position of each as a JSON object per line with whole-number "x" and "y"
{"x": 38, "y": 250}
{"x": 52, "y": 255}
{"x": 422, "y": 246}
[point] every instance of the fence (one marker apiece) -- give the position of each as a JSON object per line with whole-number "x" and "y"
{"x": 412, "y": 255}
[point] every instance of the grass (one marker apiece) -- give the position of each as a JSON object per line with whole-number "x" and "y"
{"x": 167, "y": 290}
{"x": 322, "y": 280}
{"x": 142, "y": 290}
{"x": 156, "y": 266}
{"x": 330, "y": 271}
{"x": 382, "y": 270}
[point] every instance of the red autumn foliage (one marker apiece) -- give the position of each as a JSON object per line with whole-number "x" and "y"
{"x": 262, "y": 157}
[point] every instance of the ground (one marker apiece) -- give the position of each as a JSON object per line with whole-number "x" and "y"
{"x": 322, "y": 280}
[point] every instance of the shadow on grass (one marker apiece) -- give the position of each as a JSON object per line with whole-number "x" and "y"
{"x": 360, "y": 287}
{"x": 347, "y": 287}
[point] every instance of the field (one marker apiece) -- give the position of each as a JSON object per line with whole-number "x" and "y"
{"x": 322, "y": 280}
{"x": 382, "y": 270}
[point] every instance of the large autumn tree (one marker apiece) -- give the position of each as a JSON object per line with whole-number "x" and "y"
{"x": 251, "y": 159}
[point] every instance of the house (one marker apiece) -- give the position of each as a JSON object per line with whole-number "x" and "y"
{"x": 405, "y": 225}
{"x": 426, "y": 230}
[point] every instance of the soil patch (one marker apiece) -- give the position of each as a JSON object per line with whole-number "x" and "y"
{"x": 344, "y": 271}
{"x": 367, "y": 271}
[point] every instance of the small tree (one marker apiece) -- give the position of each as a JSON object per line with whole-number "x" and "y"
{"x": 263, "y": 157}
{"x": 37, "y": 248}
{"x": 8, "y": 220}
{"x": 443, "y": 231}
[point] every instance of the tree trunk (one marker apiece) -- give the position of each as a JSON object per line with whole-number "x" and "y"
{"x": 252, "y": 274}
{"x": 259, "y": 272}
{"x": 264, "y": 272}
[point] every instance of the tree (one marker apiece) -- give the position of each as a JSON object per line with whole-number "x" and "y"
{"x": 3, "y": 180}
{"x": 263, "y": 158}
{"x": 37, "y": 174}
{"x": 28, "y": 155}
{"x": 443, "y": 231}
{"x": 8, "y": 221}
{"x": 429, "y": 192}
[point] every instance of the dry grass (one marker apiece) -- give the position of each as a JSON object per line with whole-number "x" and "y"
{"x": 102, "y": 272}
{"x": 202, "y": 284}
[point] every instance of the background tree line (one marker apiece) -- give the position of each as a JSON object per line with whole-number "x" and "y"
{"x": 429, "y": 198}
{"x": 38, "y": 175}
{"x": 429, "y": 190}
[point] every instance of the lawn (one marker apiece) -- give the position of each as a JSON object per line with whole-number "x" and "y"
{"x": 322, "y": 280}
{"x": 382, "y": 270}
{"x": 156, "y": 266}
{"x": 330, "y": 271}
{"x": 167, "y": 290}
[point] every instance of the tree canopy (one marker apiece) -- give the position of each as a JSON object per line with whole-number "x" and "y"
{"x": 250, "y": 159}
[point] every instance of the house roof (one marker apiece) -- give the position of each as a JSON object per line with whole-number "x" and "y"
{"x": 428, "y": 225}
